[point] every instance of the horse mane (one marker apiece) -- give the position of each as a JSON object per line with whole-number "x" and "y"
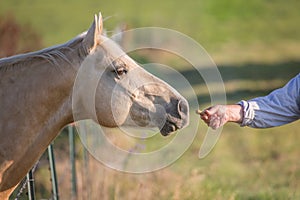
{"x": 53, "y": 55}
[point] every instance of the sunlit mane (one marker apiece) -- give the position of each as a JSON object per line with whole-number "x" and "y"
{"x": 53, "y": 55}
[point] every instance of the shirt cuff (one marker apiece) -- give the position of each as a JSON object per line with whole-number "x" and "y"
{"x": 248, "y": 112}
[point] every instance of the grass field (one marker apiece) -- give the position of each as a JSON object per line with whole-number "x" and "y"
{"x": 261, "y": 30}
{"x": 256, "y": 46}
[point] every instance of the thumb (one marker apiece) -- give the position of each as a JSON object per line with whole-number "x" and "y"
{"x": 212, "y": 110}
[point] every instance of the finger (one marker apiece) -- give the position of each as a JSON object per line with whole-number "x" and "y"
{"x": 214, "y": 124}
{"x": 206, "y": 112}
{"x": 207, "y": 123}
{"x": 201, "y": 112}
{"x": 212, "y": 110}
{"x": 204, "y": 117}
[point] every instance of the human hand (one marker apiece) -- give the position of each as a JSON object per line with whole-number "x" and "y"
{"x": 214, "y": 116}
{"x": 218, "y": 115}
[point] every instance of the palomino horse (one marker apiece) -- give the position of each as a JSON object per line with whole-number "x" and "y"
{"x": 36, "y": 99}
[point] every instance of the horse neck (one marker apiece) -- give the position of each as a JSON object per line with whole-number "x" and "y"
{"x": 35, "y": 103}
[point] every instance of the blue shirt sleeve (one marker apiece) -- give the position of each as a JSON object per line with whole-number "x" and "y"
{"x": 280, "y": 107}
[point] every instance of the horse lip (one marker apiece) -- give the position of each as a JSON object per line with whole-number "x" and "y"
{"x": 168, "y": 128}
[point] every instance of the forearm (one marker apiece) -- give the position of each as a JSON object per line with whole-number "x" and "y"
{"x": 279, "y": 107}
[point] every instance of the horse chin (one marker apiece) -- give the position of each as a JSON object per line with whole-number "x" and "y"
{"x": 168, "y": 128}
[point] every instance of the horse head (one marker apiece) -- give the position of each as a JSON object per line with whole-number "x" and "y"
{"x": 126, "y": 94}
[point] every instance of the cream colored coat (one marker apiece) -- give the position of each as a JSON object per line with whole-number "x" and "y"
{"x": 36, "y": 99}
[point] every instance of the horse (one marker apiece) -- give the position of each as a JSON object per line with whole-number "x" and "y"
{"x": 36, "y": 92}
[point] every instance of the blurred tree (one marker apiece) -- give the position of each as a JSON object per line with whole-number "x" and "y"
{"x": 16, "y": 38}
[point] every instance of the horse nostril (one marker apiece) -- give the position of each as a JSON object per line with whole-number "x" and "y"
{"x": 182, "y": 108}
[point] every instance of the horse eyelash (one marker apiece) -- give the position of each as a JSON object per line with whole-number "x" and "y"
{"x": 123, "y": 69}
{"x": 116, "y": 71}
{"x": 117, "y": 68}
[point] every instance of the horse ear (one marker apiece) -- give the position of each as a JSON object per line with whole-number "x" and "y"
{"x": 93, "y": 35}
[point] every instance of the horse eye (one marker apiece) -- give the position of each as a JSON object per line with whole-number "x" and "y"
{"x": 121, "y": 71}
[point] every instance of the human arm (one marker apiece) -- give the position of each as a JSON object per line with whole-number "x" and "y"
{"x": 279, "y": 107}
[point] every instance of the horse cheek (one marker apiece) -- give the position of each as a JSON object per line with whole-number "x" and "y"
{"x": 112, "y": 108}
{"x": 120, "y": 106}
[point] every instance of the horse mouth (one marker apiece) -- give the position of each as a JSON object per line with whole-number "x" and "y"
{"x": 168, "y": 128}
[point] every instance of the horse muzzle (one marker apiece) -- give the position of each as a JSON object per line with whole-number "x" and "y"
{"x": 176, "y": 118}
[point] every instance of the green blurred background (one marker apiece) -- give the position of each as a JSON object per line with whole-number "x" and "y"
{"x": 256, "y": 46}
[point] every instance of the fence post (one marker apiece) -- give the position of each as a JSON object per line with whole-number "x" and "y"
{"x": 30, "y": 185}
{"x": 53, "y": 172}
{"x": 72, "y": 160}
{"x": 86, "y": 174}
